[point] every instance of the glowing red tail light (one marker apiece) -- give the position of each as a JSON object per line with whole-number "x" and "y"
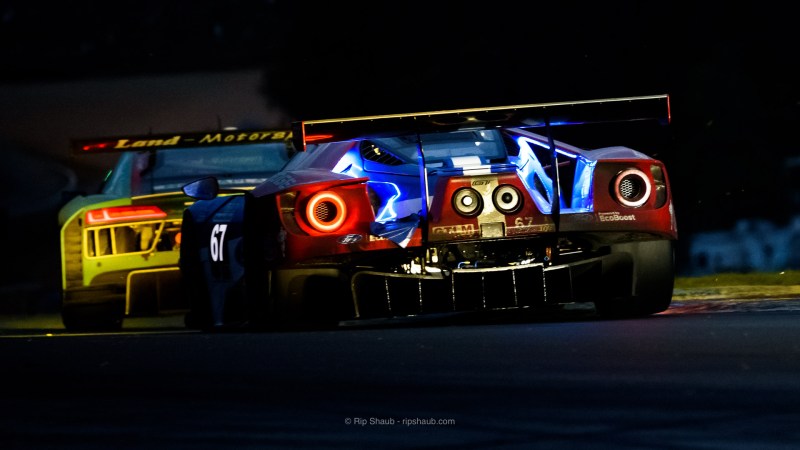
{"x": 123, "y": 214}
{"x": 326, "y": 211}
{"x": 318, "y": 137}
{"x": 98, "y": 146}
{"x": 631, "y": 188}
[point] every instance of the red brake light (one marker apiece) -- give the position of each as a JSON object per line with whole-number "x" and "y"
{"x": 326, "y": 211}
{"x": 318, "y": 137}
{"x": 98, "y": 146}
{"x": 631, "y": 188}
{"x": 123, "y": 214}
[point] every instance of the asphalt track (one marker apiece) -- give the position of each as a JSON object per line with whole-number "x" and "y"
{"x": 711, "y": 374}
{"x": 703, "y": 300}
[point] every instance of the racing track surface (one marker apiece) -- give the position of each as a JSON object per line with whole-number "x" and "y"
{"x": 698, "y": 376}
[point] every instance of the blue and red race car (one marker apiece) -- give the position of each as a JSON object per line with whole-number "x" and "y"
{"x": 440, "y": 212}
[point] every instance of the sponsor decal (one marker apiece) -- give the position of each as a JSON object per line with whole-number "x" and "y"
{"x": 350, "y": 239}
{"x": 183, "y": 140}
{"x": 455, "y": 229}
{"x": 481, "y": 182}
{"x": 261, "y": 136}
{"x": 525, "y": 224}
{"x": 615, "y": 217}
{"x": 208, "y": 138}
{"x": 537, "y": 228}
{"x": 127, "y": 143}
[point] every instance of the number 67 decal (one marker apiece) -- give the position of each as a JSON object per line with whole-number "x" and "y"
{"x": 217, "y": 239}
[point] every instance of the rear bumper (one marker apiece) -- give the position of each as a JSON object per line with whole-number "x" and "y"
{"x": 154, "y": 291}
{"x": 635, "y": 275}
{"x": 145, "y": 292}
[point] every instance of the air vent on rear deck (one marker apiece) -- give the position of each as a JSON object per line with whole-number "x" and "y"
{"x": 372, "y": 152}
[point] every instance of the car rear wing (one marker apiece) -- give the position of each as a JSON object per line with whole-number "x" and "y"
{"x": 653, "y": 107}
{"x": 179, "y": 140}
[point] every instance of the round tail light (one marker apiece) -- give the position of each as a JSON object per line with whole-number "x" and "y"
{"x": 631, "y": 188}
{"x": 326, "y": 211}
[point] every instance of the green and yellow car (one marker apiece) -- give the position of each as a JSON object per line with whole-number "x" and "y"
{"x": 120, "y": 247}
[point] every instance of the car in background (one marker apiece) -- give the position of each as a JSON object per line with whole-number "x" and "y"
{"x": 443, "y": 212}
{"x": 120, "y": 247}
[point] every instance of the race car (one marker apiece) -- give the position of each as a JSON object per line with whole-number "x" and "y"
{"x": 441, "y": 212}
{"x": 120, "y": 247}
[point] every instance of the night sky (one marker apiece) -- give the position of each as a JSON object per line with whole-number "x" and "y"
{"x": 730, "y": 69}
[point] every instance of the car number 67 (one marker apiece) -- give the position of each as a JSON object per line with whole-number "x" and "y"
{"x": 523, "y": 221}
{"x": 217, "y": 239}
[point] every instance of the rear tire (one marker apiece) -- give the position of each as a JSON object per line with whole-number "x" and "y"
{"x": 93, "y": 309}
{"x": 652, "y": 277}
{"x": 307, "y": 299}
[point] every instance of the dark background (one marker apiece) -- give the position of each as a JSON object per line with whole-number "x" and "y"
{"x": 730, "y": 69}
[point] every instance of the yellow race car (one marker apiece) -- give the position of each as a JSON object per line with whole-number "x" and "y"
{"x": 120, "y": 247}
